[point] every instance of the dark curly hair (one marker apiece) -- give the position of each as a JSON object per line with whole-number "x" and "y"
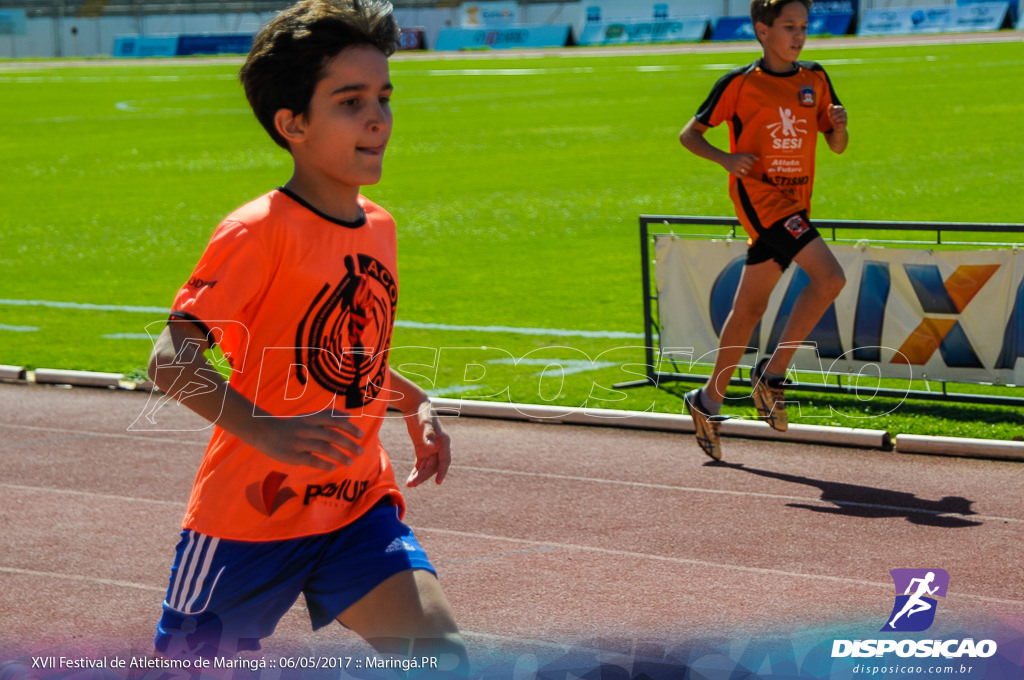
{"x": 289, "y": 54}
{"x": 767, "y": 11}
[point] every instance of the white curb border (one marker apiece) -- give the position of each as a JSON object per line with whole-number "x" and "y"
{"x": 960, "y": 446}
{"x": 738, "y": 427}
{"x": 639, "y": 420}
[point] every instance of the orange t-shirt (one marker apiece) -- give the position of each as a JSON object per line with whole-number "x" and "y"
{"x": 302, "y": 307}
{"x": 776, "y": 117}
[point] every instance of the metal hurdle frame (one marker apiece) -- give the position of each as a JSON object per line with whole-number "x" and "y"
{"x": 656, "y": 378}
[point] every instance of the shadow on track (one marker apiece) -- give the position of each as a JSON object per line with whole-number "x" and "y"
{"x": 870, "y": 502}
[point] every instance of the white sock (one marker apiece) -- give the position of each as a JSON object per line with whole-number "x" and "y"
{"x": 710, "y": 405}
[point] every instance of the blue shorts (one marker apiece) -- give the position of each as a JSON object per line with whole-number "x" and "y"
{"x": 224, "y": 596}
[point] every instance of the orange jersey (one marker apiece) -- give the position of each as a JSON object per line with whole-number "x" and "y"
{"x": 776, "y": 117}
{"x": 302, "y": 307}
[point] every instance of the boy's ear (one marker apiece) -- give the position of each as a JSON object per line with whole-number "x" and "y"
{"x": 290, "y": 126}
{"x": 761, "y": 30}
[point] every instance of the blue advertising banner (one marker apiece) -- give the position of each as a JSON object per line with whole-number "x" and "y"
{"x": 145, "y": 46}
{"x": 1014, "y": 8}
{"x": 733, "y": 28}
{"x": 988, "y": 16}
{"x": 413, "y": 39}
{"x": 740, "y": 28}
{"x": 836, "y": 7}
{"x": 526, "y": 35}
{"x": 690, "y": 29}
{"x": 13, "y": 22}
{"x": 212, "y": 43}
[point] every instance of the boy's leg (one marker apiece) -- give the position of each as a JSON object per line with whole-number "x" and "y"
{"x": 757, "y": 281}
{"x": 408, "y": 615}
{"x": 224, "y": 596}
{"x": 374, "y": 578}
{"x": 704, "y": 404}
{"x": 827, "y": 280}
{"x": 794, "y": 239}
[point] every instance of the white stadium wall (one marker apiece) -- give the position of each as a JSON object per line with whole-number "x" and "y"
{"x": 89, "y": 37}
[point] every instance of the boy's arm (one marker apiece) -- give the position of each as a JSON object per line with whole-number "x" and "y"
{"x": 432, "y": 443}
{"x": 838, "y": 137}
{"x": 692, "y": 138}
{"x": 179, "y": 368}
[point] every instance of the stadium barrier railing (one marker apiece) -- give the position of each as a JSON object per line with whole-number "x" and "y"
{"x": 835, "y": 231}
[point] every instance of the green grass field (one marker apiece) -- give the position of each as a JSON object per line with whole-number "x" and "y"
{"x": 516, "y": 184}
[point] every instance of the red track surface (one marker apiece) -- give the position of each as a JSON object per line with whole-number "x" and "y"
{"x": 543, "y": 534}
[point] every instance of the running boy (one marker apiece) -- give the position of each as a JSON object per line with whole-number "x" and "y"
{"x": 295, "y": 493}
{"x": 774, "y": 108}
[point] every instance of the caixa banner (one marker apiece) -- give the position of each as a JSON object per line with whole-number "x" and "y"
{"x": 938, "y": 315}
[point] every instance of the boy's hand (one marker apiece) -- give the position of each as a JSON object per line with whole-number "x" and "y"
{"x": 739, "y": 164}
{"x": 432, "y": 444}
{"x": 318, "y": 440}
{"x": 837, "y": 116}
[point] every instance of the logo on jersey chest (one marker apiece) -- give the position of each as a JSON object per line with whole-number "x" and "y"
{"x": 789, "y": 132}
{"x": 343, "y": 341}
{"x": 807, "y": 96}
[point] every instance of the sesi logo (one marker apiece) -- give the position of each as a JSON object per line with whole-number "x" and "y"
{"x": 789, "y": 132}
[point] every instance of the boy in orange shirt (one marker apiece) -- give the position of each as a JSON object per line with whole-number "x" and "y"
{"x": 774, "y": 108}
{"x": 298, "y": 288}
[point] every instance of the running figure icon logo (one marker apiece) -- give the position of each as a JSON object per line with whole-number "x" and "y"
{"x": 789, "y": 125}
{"x": 916, "y": 590}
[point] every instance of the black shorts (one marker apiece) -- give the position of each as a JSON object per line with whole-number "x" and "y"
{"x": 783, "y": 240}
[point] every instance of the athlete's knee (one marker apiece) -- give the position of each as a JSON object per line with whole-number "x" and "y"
{"x": 441, "y": 657}
{"x": 838, "y": 283}
{"x": 831, "y": 283}
{"x": 746, "y": 313}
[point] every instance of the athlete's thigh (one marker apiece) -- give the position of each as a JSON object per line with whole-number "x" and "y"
{"x": 818, "y": 261}
{"x": 757, "y": 281}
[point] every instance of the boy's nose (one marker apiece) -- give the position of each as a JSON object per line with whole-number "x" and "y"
{"x": 378, "y": 119}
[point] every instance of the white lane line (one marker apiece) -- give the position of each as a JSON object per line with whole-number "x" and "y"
{"x": 728, "y": 492}
{"x": 128, "y": 336}
{"x": 106, "y": 497}
{"x": 557, "y": 366}
{"x": 415, "y": 325}
{"x": 516, "y": 330}
{"x": 84, "y": 306}
{"x": 590, "y": 480}
{"x": 297, "y": 607}
{"x": 115, "y": 435}
{"x": 86, "y": 579}
{"x": 532, "y": 543}
{"x": 717, "y": 566}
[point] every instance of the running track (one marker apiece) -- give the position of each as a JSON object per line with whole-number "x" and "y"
{"x": 547, "y": 537}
